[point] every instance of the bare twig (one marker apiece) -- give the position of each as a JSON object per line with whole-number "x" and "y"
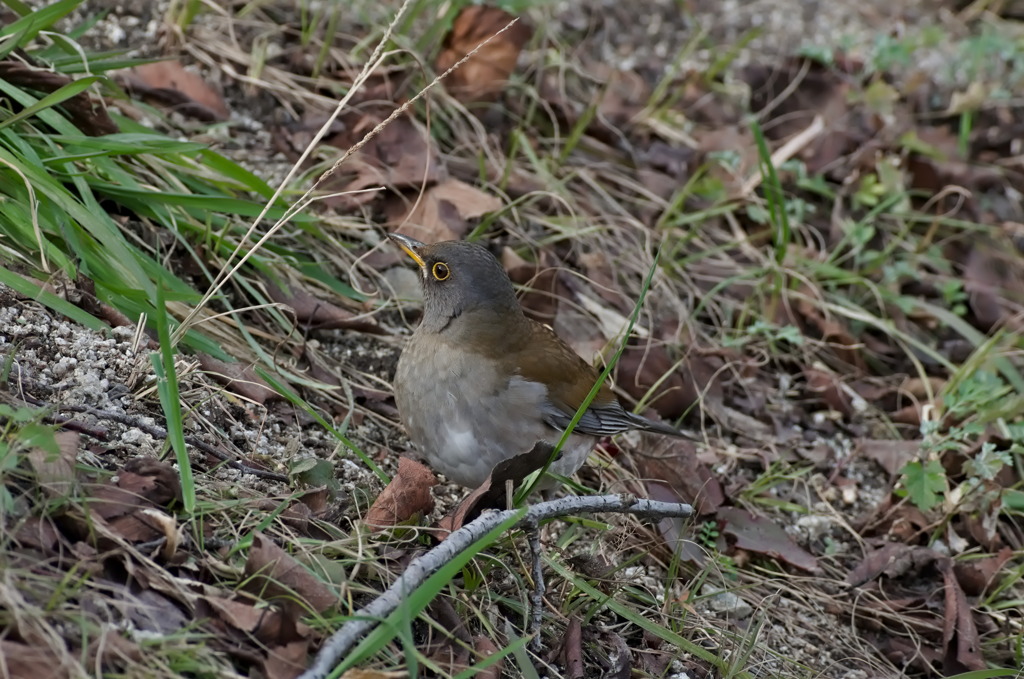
{"x": 537, "y": 595}
{"x": 421, "y": 568}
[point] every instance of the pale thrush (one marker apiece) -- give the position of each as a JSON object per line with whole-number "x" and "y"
{"x": 480, "y": 382}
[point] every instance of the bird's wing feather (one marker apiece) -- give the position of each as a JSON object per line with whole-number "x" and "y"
{"x": 569, "y": 380}
{"x": 553, "y": 363}
{"x": 606, "y": 420}
{"x": 596, "y": 421}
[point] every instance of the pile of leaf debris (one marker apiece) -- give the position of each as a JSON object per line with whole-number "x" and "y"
{"x": 842, "y": 324}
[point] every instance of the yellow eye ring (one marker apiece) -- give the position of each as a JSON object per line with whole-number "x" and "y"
{"x": 440, "y": 271}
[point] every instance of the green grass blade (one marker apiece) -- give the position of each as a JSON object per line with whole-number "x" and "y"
{"x": 29, "y": 25}
{"x": 419, "y": 598}
{"x": 525, "y": 491}
{"x": 170, "y": 400}
{"x": 52, "y": 99}
{"x": 295, "y": 400}
{"x": 640, "y": 621}
{"x": 50, "y": 300}
{"x": 774, "y": 195}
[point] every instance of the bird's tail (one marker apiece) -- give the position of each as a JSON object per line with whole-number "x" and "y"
{"x": 645, "y": 424}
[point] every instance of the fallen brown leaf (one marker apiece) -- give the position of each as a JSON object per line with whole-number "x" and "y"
{"x": 239, "y": 378}
{"x": 995, "y": 286}
{"x": 275, "y": 574}
{"x": 674, "y": 462}
{"x": 977, "y": 575}
{"x": 55, "y": 472}
{"x": 735, "y": 139}
{"x": 87, "y": 114}
{"x": 892, "y": 456}
{"x": 828, "y": 329}
{"x": 169, "y": 84}
{"x": 755, "y": 534}
{"x": 799, "y": 90}
{"x": 485, "y": 648}
{"x": 267, "y": 624}
{"x": 154, "y": 480}
{"x": 150, "y": 610}
{"x": 21, "y": 661}
{"x": 959, "y": 633}
{"x": 646, "y": 365}
{"x": 37, "y": 532}
{"x": 483, "y": 77}
{"x": 624, "y": 96}
{"x": 407, "y": 495}
{"x": 400, "y": 156}
{"x": 442, "y": 212}
{"x": 316, "y": 313}
{"x": 492, "y": 493}
{"x": 112, "y": 649}
{"x": 613, "y": 653}
{"x": 572, "y": 649}
{"x": 286, "y": 661}
{"x": 892, "y": 559}
{"x": 143, "y": 484}
{"x": 673, "y": 530}
{"x": 826, "y": 385}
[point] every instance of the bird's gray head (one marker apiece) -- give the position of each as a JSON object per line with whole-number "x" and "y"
{"x": 459, "y": 278}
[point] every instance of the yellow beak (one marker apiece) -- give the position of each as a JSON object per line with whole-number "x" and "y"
{"x": 411, "y": 246}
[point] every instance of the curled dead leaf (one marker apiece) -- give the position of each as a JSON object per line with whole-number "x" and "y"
{"x": 483, "y": 77}
{"x": 492, "y": 493}
{"x": 407, "y": 495}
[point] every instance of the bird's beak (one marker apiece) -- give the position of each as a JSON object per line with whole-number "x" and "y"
{"x": 411, "y": 246}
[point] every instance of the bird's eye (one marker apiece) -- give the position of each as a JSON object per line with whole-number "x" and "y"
{"x": 440, "y": 271}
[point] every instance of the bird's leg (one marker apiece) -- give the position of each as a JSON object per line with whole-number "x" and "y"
{"x": 537, "y": 595}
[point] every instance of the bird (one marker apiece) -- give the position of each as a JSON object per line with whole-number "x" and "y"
{"x": 480, "y": 382}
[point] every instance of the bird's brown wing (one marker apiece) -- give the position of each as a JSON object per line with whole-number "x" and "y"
{"x": 569, "y": 380}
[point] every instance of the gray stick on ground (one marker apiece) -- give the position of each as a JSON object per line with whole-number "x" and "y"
{"x": 421, "y": 568}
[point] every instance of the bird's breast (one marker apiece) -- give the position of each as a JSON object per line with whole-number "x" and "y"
{"x": 465, "y": 412}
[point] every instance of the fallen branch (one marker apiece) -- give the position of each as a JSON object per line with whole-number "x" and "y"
{"x": 421, "y": 568}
